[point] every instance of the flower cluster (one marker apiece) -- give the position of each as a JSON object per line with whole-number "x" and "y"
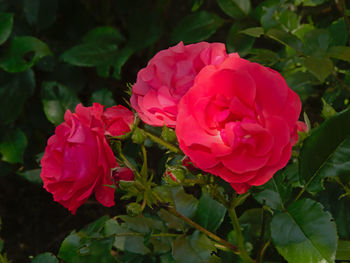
{"x": 78, "y": 160}
{"x": 235, "y": 119}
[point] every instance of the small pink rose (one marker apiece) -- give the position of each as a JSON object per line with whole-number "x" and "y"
{"x": 118, "y": 120}
{"x": 123, "y": 174}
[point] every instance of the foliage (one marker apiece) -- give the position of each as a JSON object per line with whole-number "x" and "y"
{"x": 55, "y": 54}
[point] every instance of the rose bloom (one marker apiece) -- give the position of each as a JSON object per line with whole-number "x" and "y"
{"x": 118, "y": 120}
{"x": 168, "y": 76}
{"x": 78, "y": 160}
{"x": 239, "y": 121}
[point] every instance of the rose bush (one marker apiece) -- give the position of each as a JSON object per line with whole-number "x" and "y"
{"x": 168, "y": 76}
{"x": 238, "y": 121}
{"x": 78, "y": 160}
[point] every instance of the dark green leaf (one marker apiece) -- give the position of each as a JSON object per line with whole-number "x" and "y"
{"x": 91, "y": 54}
{"x": 309, "y": 2}
{"x": 316, "y": 41}
{"x": 340, "y": 52}
{"x": 194, "y": 249}
{"x": 32, "y": 176}
{"x": 13, "y": 145}
{"x": 320, "y": 67}
{"x": 338, "y": 33}
{"x": 122, "y": 57}
{"x": 134, "y": 244}
{"x": 14, "y": 88}
{"x": 210, "y": 213}
{"x": 141, "y": 224}
{"x": 253, "y": 31}
{"x": 235, "y": 8}
{"x": 104, "y": 97}
{"x": 104, "y": 34}
{"x": 343, "y": 250}
{"x": 6, "y": 23}
{"x": 56, "y": 99}
{"x": 95, "y": 227}
{"x": 305, "y": 233}
{"x": 196, "y": 5}
{"x": 264, "y": 56}
{"x": 285, "y": 38}
{"x": 23, "y": 53}
{"x": 251, "y": 220}
{"x": 331, "y": 142}
{"x": 289, "y": 20}
{"x": 185, "y": 204}
{"x": 79, "y": 248}
{"x": 237, "y": 42}
{"x": 196, "y": 27}
{"x": 45, "y": 258}
{"x": 170, "y": 220}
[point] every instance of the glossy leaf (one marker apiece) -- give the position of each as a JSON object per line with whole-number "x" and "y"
{"x": 56, "y": 99}
{"x": 185, "y": 204}
{"x": 237, "y": 42}
{"x": 196, "y": 27}
{"x": 13, "y": 146}
{"x": 6, "y": 23}
{"x": 45, "y": 258}
{"x": 91, "y": 54}
{"x": 194, "y": 249}
{"x": 285, "y": 38}
{"x": 14, "y": 88}
{"x": 331, "y": 142}
{"x": 253, "y": 31}
{"x": 320, "y": 67}
{"x": 210, "y": 213}
{"x": 340, "y": 52}
{"x": 305, "y": 233}
{"x": 23, "y": 53}
{"x": 235, "y": 8}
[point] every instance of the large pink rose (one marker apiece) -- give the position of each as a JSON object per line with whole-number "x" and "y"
{"x": 238, "y": 121}
{"x": 168, "y": 76}
{"x": 78, "y": 160}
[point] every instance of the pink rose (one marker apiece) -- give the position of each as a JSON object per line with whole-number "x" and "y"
{"x": 122, "y": 174}
{"x": 237, "y": 121}
{"x": 168, "y": 76}
{"x": 78, "y": 160}
{"x": 118, "y": 120}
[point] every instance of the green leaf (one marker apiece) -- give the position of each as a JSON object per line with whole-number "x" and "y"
{"x": 309, "y": 2}
{"x": 14, "y": 88}
{"x": 331, "y": 142}
{"x": 104, "y": 34}
{"x": 104, "y": 97}
{"x": 45, "y": 258}
{"x": 210, "y": 213}
{"x": 289, "y": 20}
{"x": 339, "y": 52}
{"x": 185, "y": 204}
{"x": 343, "y": 250}
{"x": 320, "y": 67}
{"x": 79, "y": 248}
{"x": 253, "y": 31}
{"x": 196, "y": 248}
{"x": 32, "y": 176}
{"x": 316, "y": 42}
{"x": 250, "y": 220}
{"x": 305, "y": 233}
{"x": 122, "y": 57}
{"x": 338, "y": 33}
{"x": 264, "y": 56}
{"x": 196, "y": 5}
{"x": 13, "y": 146}
{"x": 6, "y": 23}
{"x": 23, "y": 53}
{"x": 285, "y": 38}
{"x": 91, "y": 54}
{"x": 235, "y": 8}
{"x": 196, "y": 27}
{"x": 237, "y": 42}
{"x": 56, "y": 99}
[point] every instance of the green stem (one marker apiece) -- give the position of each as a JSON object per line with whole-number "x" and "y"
{"x": 242, "y": 250}
{"x": 160, "y": 141}
{"x": 346, "y": 18}
{"x": 144, "y": 168}
{"x": 173, "y": 211}
{"x": 262, "y": 252}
